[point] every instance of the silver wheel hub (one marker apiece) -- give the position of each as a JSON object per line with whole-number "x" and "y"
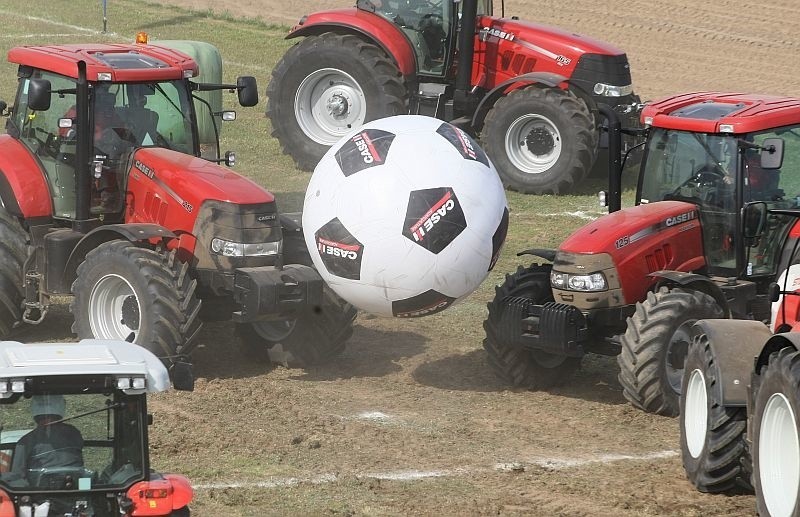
{"x": 533, "y": 143}
{"x": 328, "y": 104}
{"x": 695, "y": 413}
{"x": 114, "y": 309}
{"x": 779, "y": 456}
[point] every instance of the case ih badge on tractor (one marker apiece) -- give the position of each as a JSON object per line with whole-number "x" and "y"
{"x": 633, "y": 282}
{"x": 107, "y": 196}
{"x": 95, "y": 395}
{"x": 740, "y": 403}
{"x": 530, "y": 91}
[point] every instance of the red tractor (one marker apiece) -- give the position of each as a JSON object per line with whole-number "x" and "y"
{"x": 530, "y": 91}
{"x": 633, "y": 282}
{"x": 740, "y": 400}
{"x": 108, "y": 195}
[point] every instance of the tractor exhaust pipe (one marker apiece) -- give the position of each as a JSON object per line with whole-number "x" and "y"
{"x": 614, "y": 194}
{"x": 83, "y": 175}
{"x": 466, "y": 48}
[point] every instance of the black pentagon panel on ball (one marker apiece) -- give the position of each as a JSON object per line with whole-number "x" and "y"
{"x": 499, "y": 238}
{"x": 434, "y": 218}
{"x": 464, "y": 144}
{"x": 425, "y": 304}
{"x": 365, "y": 149}
{"x": 340, "y": 252}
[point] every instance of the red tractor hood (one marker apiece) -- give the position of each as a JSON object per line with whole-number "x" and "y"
{"x": 167, "y": 187}
{"x": 553, "y": 39}
{"x": 640, "y": 240}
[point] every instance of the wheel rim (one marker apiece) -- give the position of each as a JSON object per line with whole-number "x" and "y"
{"x": 329, "y": 103}
{"x": 274, "y": 331}
{"x": 533, "y": 143}
{"x": 779, "y": 456}
{"x": 676, "y": 356}
{"x": 695, "y": 413}
{"x": 114, "y": 309}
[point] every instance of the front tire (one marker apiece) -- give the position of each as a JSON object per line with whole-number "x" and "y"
{"x": 515, "y": 365}
{"x": 13, "y": 252}
{"x": 713, "y": 446}
{"x": 541, "y": 140}
{"x": 776, "y": 446}
{"x": 124, "y": 291}
{"x": 655, "y": 344}
{"x": 326, "y": 86}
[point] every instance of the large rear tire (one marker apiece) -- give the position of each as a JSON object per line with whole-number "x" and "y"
{"x": 125, "y": 291}
{"x": 713, "y": 445}
{"x": 655, "y": 344}
{"x": 315, "y": 337}
{"x": 326, "y": 86}
{"x": 513, "y": 364}
{"x": 776, "y": 446}
{"x": 542, "y": 140}
{"x": 13, "y": 252}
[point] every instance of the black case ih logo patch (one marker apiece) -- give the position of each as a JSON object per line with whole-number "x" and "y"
{"x": 365, "y": 149}
{"x": 499, "y": 238}
{"x": 339, "y": 250}
{"x": 463, "y": 143}
{"x": 433, "y": 218}
{"x": 425, "y": 304}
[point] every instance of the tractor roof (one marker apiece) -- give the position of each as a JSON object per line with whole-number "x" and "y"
{"x": 87, "y": 357}
{"x": 717, "y": 112}
{"x": 129, "y": 62}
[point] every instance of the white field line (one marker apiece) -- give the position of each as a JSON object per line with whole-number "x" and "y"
{"x": 95, "y": 32}
{"x": 417, "y": 475}
{"x": 581, "y": 214}
{"x": 40, "y": 35}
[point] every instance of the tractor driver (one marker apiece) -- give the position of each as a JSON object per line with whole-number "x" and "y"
{"x": 52, "y": 443}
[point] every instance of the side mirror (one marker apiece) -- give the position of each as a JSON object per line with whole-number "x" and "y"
{"x": 773, "y": 292}
{"x": 182, "y": 376}
{"x": 754, "y": 216}
{"x": 772, "y": 153}
{"x": 248, "y": 90}
{"x": 39, "y": 94}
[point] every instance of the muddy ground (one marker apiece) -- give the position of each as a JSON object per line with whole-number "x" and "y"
{"x": 409, "y": 420}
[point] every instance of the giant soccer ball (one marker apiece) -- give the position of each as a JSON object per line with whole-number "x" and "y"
{"x": 405, "y": 216}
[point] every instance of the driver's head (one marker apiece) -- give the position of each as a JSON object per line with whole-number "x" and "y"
{"x": 137, "y": 94}
{"x": 104, "y": 101}
{"x": 48, "y": 407}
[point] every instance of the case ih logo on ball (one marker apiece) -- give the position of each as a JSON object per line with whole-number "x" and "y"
{"x": 434, "y": 218}
{"x": 425, "y": 304}
{"x": 463, "y": 143}
{"x": 339, "y": 250}
{"x": 365, "y": 149}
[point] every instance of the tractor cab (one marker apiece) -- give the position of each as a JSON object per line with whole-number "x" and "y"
{"x": 121, "y": 101}
{"x": 74, "y": 431}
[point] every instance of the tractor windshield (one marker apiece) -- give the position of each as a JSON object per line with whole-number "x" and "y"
{"x": 74, "y": 442}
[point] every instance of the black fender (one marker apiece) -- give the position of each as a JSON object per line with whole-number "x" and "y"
{"x": 540, "y": 79}
{"x": 693, "y": 281}
{"x": 291, "y": 222}
{"x": 546, "y": 254}
{"x": 775, "y": 343}
{"x": 735, "y": 344}
{"x": 131, "y": 232}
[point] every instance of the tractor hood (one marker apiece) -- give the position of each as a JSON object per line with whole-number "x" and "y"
{"x": 549, "y": 39}
{"x": 167, "y": 187}
{"x": 629, "y": 245}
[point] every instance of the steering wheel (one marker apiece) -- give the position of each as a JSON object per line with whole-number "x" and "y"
{"x": 705, "y": 175}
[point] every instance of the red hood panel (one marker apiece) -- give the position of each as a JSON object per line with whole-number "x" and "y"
{"x": 555, "y": 40}
{"x": 644, "y": 239}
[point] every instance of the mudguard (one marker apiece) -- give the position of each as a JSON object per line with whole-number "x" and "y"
{"x": 775, "y": 343}
{"x": 23, "y": 187}
{"x": 695, "y": 281}
{"x": 734, "y": 346}
{"x": 548, "y": 79}
{"x": 380, "y": 31}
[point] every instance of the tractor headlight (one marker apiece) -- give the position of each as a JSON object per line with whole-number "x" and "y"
{"x": 609, "y": 90}
{"x": 245, "y": 249}
{"x": 585, "y": 283}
